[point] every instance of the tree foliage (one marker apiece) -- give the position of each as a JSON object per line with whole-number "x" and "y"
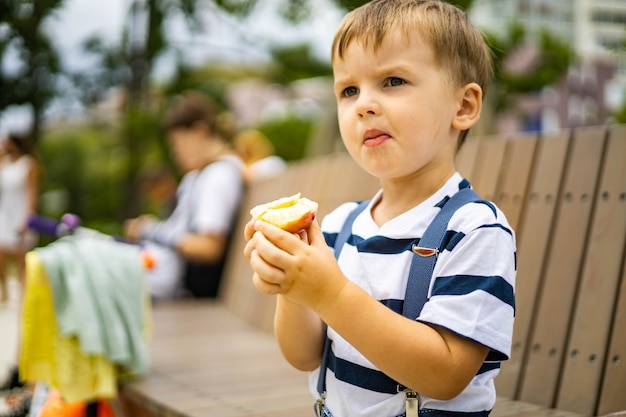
{"x": 295, "y": 63}
{"x": 553, "y": 58}
{"x": 129, "y": 65}
{"x": 33, "y": 81}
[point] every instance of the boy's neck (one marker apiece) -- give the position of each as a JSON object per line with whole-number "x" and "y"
{"x": 400, "y": 196}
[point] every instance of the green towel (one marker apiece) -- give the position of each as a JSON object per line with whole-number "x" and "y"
{"x": 99, "y": 290}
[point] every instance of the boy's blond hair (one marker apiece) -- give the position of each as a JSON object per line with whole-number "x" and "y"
{"x": 458, "y": 47}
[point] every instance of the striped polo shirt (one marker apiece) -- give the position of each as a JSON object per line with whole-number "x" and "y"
{"x": 471, "y": 293}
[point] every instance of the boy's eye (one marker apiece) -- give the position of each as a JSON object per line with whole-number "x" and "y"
{"x": 350, "y": 91}
{"x": 395, "y": 81}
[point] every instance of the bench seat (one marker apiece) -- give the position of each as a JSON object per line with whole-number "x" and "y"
{"x": 207, "y": 361}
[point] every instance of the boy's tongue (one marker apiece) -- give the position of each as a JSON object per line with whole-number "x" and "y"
{"x": 376, "y": 140}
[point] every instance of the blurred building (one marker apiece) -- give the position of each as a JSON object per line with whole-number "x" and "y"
{"x": 595, "y": 85}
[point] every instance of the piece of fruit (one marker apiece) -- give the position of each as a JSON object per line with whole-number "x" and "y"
{"x": 291, "y": 214}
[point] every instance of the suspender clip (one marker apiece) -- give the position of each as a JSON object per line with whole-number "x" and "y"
{"x": 319, "y": 404}
{"x": 424, "y": 252}
{"x": 412, "y": 401}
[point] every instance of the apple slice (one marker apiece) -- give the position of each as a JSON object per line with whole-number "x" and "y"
{"x": 291, "y": 214}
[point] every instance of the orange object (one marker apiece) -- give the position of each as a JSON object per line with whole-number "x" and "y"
{"x": 147, "y": 259}
{"x": 56, "y": 407}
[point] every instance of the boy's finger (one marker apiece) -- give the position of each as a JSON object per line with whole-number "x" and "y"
{"x": 265, "y": 287}
{"x": 315, "y": 234}
{"x": 267, "y": 270}
{"x": 248, "y": 248}
{"x": 249, "y": 229}
{"x": 278, "y": 237}
{"x": 303, "y": 235}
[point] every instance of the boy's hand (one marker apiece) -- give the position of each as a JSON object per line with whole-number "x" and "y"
{"x": 300, "y": 266}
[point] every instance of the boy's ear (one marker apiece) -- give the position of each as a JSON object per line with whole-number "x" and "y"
{"x": 470, "y": 102}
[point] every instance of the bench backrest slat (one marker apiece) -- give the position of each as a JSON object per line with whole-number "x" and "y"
{"x": 591, "y": 321}
{"x": 533, "y": 236}
{"x": 237, "y": 290}
{"x": 486, "y": 170}
{"x": 612, "y": 396}
{"x": 562, "y": 268}
{"x": 514, "y": 176}
{"x": 466, "y": 157}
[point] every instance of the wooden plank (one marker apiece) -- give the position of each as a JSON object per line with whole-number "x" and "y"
{"x": 562, "y": 271}
{"x": 611, "y": 398}
{"x": 591, "y": 322}
{"x": 466, "y": 156}
{"x": 511, "y": 408}
{"x": 515, "y": 176}
{"x": 507, "y": 408}
{"x": 485, "y": 173}
{"x": 207, "y": 361}
{"x": 533, "y": 235}
{"x": 549, "y": 412}
{"x": 237, "y": 290}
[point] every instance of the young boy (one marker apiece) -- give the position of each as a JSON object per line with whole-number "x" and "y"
{"x": 409, "y": 81}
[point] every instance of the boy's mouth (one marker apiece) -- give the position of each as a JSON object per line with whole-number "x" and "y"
{"x": 374, "y": 137}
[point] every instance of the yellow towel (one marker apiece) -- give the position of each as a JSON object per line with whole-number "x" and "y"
{"x": 99, "y": 291}
{"x": 47, "y": 356}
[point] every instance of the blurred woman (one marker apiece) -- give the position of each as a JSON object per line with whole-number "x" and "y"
{"x": 190, "y": 245}
{"x": 19, "y": 191}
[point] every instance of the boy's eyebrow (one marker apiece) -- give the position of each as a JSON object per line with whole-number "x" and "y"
{"x": 341, "y": 82}
{"x": 399, "y": 69}
{"x": 391, "y": 69}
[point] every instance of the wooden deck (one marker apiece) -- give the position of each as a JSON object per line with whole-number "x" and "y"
{"x": 205, "y": 361}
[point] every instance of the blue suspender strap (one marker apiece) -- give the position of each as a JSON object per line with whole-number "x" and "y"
{"x": 422, "y": 264}
{"x": 342, "y": 238}
{"x": 346, "y": 229}
{"x": 427, "y": 251}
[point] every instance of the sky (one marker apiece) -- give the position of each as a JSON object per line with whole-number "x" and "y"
{"x": 221, "y": 37}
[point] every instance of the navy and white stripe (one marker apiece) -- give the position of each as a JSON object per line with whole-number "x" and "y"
{"x": 471, "y": 294}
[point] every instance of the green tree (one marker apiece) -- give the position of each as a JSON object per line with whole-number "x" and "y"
{"x": 33, "y": 82}
{"x": 296, "y": 62}
{"x": 553, "y": 58}
{"x": 129, "y": 65}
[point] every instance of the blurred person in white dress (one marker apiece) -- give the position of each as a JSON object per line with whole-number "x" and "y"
{"x": 20, "y": 172}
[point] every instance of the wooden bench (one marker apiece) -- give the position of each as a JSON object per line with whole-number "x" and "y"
{"x": 565, "y": 196}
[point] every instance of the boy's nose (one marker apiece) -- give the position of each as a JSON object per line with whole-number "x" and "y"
{"x": 367, "y": 106}
{"x": 367, "y": 113}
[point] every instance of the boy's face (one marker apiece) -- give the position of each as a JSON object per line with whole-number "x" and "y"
{"x": 395, "y": 108}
